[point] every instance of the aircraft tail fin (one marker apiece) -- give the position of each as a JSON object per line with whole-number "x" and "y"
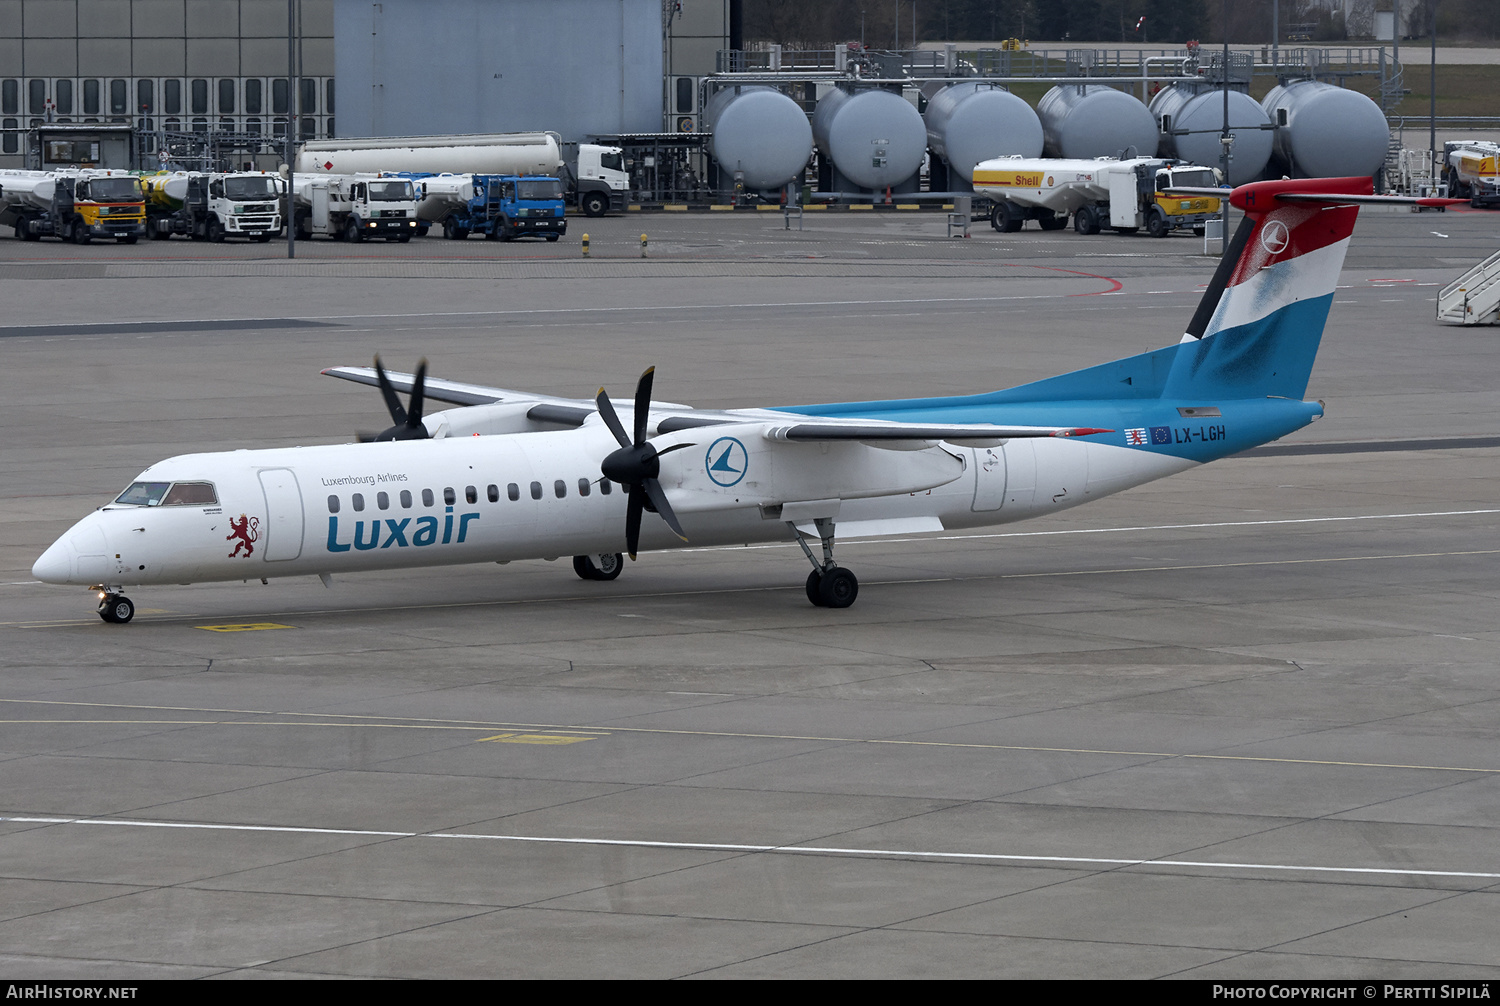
{"x": 1256, "y": 331}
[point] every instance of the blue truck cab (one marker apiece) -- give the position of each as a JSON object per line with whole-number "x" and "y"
{"x": 506, "y": 207}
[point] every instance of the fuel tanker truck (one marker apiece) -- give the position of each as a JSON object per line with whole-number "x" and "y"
{"x": 501, "y": 207}
{"x": 594, "y": 176}
{"x": 1123, "y": 195}
{"x": 75, "y": 205}
{"x": 1472, "y": 170}
{"x": 213, "y": 206}
{"x": 354, "y": 207}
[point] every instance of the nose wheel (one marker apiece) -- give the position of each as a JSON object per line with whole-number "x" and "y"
{"x": 829, "y": 585}
{"x": 116, "y": 608}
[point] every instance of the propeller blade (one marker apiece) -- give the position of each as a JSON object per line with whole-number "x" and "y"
{"x": 418, "y": 392}
{"x": 392, "y": 403}
{"x": 643, "y": 404}
{"x": 611, "y": 418}
{"x": 658, "y": 498}
{"x": 633, "y": 521}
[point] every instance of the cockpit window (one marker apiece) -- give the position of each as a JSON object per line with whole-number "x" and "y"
{"x": 191, "y": 494}
{"x": 169, "y": 494}
{"x": 144, "y": 493}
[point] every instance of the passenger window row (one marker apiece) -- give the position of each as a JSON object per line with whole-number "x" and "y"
{"x": 357, "y": 501}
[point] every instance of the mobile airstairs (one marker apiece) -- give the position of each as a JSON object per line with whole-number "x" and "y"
{"x": 1473, "y": 298}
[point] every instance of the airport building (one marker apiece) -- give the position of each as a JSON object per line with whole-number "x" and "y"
{"x": 161, "y": 65}
{"x": 138, "y": 67}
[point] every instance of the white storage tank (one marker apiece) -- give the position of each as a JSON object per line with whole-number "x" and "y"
{"x": 758, "y": 132}
{"x": 1092, "y": 120}
{"x": 875, "y": 138}
{"x": 1201, "y": 113}
{"x": 1325, "y": 131}
{"x": 974, "y": 121}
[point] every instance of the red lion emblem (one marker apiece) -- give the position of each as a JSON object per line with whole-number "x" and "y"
{"x": 243, "y": 532}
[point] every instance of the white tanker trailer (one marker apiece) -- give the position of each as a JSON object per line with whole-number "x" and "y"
{"x": 595, "y": 178}
{"x": 1124, "y": 195}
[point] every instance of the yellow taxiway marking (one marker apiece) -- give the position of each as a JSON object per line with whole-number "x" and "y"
{"x": 591, "y": 733}
{"x": 244, "y": 627}
{"x": 536, "y": 739}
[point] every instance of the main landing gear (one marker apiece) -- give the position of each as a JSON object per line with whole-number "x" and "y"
{"x": 114, "y": 606}
{"x": 829, "y": 585}
{"x": 599, "y": 567}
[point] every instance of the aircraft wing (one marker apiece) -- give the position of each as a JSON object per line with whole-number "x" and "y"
{"x": 778, "y": 426}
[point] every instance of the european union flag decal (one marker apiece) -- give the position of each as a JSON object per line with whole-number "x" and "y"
{"x": 1161, "y": 434}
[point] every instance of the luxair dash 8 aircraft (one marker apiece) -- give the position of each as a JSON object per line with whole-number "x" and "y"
{"x": 509, "y": 475}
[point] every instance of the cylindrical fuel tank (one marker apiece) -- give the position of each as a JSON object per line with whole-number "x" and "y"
{"x": 440, "y": 195}
{"x": 759, "y": 132}
{"x": 972, "y": 121}
{"x": 1092, "y": 120}
{"x": 875, "y": 137}
{"x": 1202, "y": 114}
{"x": 168, "y": 190}
{"x": 1330, "y": 132}
{"x": 17, "y": 186}
{"x": 492, "y": 154}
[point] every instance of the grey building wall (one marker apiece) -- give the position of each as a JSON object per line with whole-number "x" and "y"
{"x": 696, "y": 32}
{"x": 161, "y": 64}
{"x": 159, "y": 38}
{"x": 576, "y": 67}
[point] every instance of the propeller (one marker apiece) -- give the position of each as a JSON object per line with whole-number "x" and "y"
{"x": 637, "y": 464}
{"x": 408, "y": 421}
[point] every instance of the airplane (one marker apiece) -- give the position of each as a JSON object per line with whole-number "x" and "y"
{"x": 508, "y": 475}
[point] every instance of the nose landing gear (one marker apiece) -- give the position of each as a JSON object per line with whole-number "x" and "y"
{"x": 115, "y": 607}
{"x": 829, "y": 585}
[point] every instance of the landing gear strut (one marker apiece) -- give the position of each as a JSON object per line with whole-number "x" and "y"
{"x": 829, "y": 585}
{"x": 115, "y": 607}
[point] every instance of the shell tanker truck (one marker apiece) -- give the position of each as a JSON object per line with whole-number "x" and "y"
{"x": 1472, "y": 169}
{"x": 1123, "y": 195}
{"x": 214, "y": 206}
{"x": 594, "y": 176}
{"x": 76, "y": 206}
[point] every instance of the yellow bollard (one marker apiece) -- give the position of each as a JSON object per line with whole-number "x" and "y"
{"x": 585, "y": 246}
{"x": 643, "y": 246}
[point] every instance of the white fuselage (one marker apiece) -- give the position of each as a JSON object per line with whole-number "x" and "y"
{"x": 317, "y": 510}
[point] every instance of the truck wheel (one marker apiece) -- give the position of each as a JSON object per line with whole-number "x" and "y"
{"x": 80, "y": 234}
{"x": 352, "y": 233}
{"x": 1156, "y": 223}
{"x": 1086, "y": 220}
{"x": 1054, "y": 222}
{"x": 1010, "y": 217}
{"x": 215, "y": 232}
{"x": 553, "y": 237}
{"x": 595, "y": 204}
{"x": 452, "y": 231}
